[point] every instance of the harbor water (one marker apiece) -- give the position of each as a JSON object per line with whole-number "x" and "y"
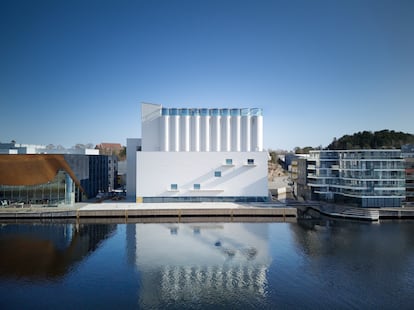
{"x": 326, "y": 264}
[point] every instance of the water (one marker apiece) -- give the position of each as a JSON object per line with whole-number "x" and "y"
{"x": 305, "y": 265}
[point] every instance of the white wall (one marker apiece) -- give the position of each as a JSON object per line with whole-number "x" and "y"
{"x": 132, "y": 145}
{"x": 156, "y": 171}
{"x": 150, "y": 117}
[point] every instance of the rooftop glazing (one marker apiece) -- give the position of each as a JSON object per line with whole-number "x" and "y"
{"x": 212, "y": 112}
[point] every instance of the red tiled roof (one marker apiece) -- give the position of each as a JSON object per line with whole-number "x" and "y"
{"x": 112, "y": 146}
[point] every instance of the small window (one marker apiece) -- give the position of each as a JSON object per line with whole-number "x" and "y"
{"x": 250, "y": 161}
{"x": 229, "y": 161}
{"x": 217, "y": 174}
{"x": 174, "y": 187}
{"x": 197, "y": 186}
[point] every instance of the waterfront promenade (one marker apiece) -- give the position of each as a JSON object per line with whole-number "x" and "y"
{"x": 227, "y": 211}
{"x": 128, "y": 210}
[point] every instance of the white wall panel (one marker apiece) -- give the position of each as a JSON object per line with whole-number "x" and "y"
{"x": 165, "y": 133}
{"x": 150, "y": 117}
{"x": 156, "y": 171}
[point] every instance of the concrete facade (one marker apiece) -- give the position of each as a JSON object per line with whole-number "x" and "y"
{"x": 199, "y": 155}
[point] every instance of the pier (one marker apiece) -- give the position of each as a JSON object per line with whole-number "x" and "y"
{"x": 176, "y": 211}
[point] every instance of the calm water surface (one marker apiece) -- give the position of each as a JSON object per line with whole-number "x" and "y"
{"x": 305, "y": 265}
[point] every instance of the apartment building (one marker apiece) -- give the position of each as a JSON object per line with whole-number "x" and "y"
{"x": 367, "y": 178}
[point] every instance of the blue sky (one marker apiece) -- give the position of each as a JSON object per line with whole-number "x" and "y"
{"x": 76, "y": 71}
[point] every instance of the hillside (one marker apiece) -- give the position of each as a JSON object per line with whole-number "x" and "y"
{"x": 372, "y": 140}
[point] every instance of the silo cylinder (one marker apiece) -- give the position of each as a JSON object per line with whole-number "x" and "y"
{"x": 184, "y": 130}
{"x": 174, "y": 130}
{"x": 235, "y": 130}
{"x": 215, "y": 130}
{"x": 205, "y": 130}
{"x": 164, "y": 133}
{"x": 246, "y": 135}
{"x": 195, "y": 130}
{"x": 225, "y": 130}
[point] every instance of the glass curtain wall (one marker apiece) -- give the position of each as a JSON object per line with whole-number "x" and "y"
{"x": 51, "y": 193}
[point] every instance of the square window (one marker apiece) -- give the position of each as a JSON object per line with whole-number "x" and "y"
{"x": 174, "y": 187}
{"x": 250, "y": 161}
{"x": 217, "y": 174}
{"x": 197, "y": 186}
{"x": 229, "y": 161}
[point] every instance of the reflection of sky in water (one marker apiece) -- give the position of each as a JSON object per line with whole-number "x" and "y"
{"x": 201, "y": 261}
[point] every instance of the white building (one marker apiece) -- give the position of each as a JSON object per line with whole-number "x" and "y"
{"x": 199, "y": 155}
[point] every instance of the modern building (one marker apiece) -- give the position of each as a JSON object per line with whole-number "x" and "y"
{"x": 82, "y": 161}
{"x": 368, "y": 178}
{"x": 408, "y": 155}
{"x": 92, "y": 171}
{"x": 199, "y": 155}
{"x": 52, "y": 179}
{"x": 38, "y": 179}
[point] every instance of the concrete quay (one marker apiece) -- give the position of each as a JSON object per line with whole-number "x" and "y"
{"x": 178, "y": 211}
{"x": 354, "y": 213}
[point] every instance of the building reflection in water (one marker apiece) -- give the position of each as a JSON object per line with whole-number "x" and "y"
{"x": 208, "y": 263}
{"x": 374, "y": 255}
{"x": 47, "y": 251}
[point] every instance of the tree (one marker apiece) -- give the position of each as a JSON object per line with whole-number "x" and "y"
{"x": 79, "y": 146}
{"x": 50, "y": 147}
{"x": 122, "y": 153}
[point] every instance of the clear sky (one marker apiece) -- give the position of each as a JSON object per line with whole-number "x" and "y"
{"x": 76, "y": 71}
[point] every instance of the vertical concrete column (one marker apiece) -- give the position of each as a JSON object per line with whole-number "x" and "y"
{"x": 246, "y": 134}
{"x": 215, "y": 130}
{"x": 195, "y": 130}
{"x": 256, "y": 130}
{"x": 225, "y": 130}
{"x": 235, "y": 130}
{"x": 185, "y": 130}
{"x": 205, "y": 130}
{"x": 165, "y": 130}
{"x": 174, "y": 130}
{"x": 259, "y": 133}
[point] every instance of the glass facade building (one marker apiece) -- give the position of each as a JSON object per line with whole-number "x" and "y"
{"x": 368, "y": 178}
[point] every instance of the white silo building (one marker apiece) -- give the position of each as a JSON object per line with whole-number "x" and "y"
{"x": 201, "y": 155}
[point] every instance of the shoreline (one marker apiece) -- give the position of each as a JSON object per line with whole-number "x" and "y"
{"x": 204, "y": 211}
{"x": 127, "y": 210}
